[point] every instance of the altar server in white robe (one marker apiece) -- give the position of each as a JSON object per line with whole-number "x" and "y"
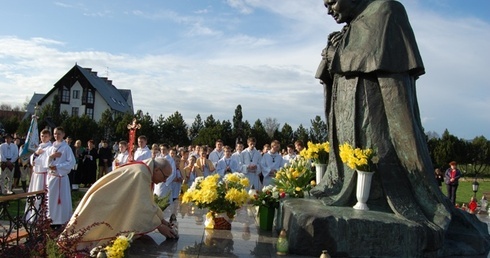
{"x": 251, "y": 164}
{"x": 271, "y": 162}
{"x": 227, "y": 164}
{"x": 60, "y": 161}
{"x": 40, "y": 171}
{"x": 165, "y": 188}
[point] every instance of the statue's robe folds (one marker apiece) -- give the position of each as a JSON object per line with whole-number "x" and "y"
{"x": 369, "y": 76}
{"x": 123, "y": 199}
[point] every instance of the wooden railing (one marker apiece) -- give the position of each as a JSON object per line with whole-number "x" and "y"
{"x": 20, "y": 223}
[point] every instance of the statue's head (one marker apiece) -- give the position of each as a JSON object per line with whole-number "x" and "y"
{"x": 342, "y": 10}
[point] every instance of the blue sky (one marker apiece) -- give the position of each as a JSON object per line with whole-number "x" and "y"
{"x": 207, "y": 56}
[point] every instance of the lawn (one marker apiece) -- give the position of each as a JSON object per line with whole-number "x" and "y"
{"x": 76, "y": 196}
{"x": 465, "y": 190}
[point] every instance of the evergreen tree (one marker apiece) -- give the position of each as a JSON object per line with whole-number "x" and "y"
{"x": 107, "y": 127}
{"x": 237, "y": 132}
{"x": 287, "y": 135}
{"x": 176, "y": 130}
{"x": 301, "y": 134}
{"x": 318, "y": 130}
{"x": 196, "y": 126}
{"x": 258, "y": 131}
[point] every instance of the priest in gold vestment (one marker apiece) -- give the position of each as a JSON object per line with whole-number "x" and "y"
{"x": 123, "y": 199}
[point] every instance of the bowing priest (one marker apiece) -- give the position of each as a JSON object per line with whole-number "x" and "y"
{"x": 123, "y": 199}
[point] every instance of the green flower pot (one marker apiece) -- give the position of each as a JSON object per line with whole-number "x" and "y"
{"x": 266, "y": 217}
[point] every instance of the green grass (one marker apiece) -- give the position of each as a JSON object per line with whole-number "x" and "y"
{"x": 465, "y": 190}
{"x": 76, "y": 196}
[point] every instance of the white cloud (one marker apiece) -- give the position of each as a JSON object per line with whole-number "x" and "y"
{"x": 214, "y": 65}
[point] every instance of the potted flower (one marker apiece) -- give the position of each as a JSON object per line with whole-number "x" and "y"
{"x": 295, "y": 178}
{"x": 268, "y": 201}
{"x": 220, "y": 197}
{"x": 318, "y": 153}
{"x": 364, "y": 162}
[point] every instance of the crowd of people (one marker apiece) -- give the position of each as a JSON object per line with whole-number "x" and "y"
{"x": 64, "y": 165}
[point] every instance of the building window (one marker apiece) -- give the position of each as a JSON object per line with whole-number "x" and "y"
{"x": 74, "y": 111}
{"x": 65, "y": 95}
{"x": 76, "y": 94}
{"x": 84, "y": 96}
{"x": 89, "y": 112}
{"x": 90, "y": 97}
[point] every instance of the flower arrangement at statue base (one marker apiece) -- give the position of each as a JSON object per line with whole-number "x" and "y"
{"x": 267, "y": 200}
{"x": 218, "y": 196}
{"x": 116, "y": 248}
{"x": 318, "y": 154}
{"x": 364, "y": 162}
{"x": 295, "y": 178}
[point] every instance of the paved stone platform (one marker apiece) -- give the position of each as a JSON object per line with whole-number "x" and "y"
{"x": 245, "y": 239}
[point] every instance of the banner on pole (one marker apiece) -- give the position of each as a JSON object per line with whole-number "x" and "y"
{"x": 32, "y": 139}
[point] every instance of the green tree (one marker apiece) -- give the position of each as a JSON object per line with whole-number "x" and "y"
{"x": 122, "y": 122}
{"x": 147, "y": 127}
{"x": 107, "y": 126}
{"x": 196, "y": 126}
{"x": 449, "y": 148}
{"x": 11, "y": 124}
{"x": 287, "y": 135}
{"x": 210, "y": 133}
{"x": 301, "y": 134}
{"x": 161, "y": 129}
{"x": 176, "y": 132}
{"x": 247, "y": 131}
{"x": 258, "y": 131}
{"x": 81, "y": 128}
{"x": 210, "y": 122}
{"x": 318, "y": 130}
{"x": 227, "y": 133}
{"x": 479, "y": 154}
{"x": 238, "y": 133}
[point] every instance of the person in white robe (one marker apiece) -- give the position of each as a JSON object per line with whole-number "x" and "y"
{"x": 251, "y": 164}
{"x": 177, "y": 182}
{"x": 60, "y": 161}
{"x": 271, "y": 162}
{"x": 217, "y": 153}
{"x": 143, "y": 152}
{"x": 237, "y": 155}
{"x": 226, "y": 164}
{"x": 38, "y": 180}
{"x": 9, "y": 152}
{"x": 291, "y": 154}
{"x": 165, "y": 188}
{"x": 124, "y": 200}
{"x": 122, "y": 155}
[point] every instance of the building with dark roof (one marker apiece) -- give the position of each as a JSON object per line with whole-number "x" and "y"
{"x": 81, "y": 91}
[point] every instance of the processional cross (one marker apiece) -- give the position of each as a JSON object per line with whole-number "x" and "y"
{"x": 132, "y": 135}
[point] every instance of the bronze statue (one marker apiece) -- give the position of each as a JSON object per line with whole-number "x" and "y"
{"x": 368, "y": 71}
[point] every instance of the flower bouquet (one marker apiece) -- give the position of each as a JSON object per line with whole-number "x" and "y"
{"x": 269, "y": 197}
{"x": 116, "y": 248}
{"x": 295, "y": 178}
{"x": 364, "y": 161}
{"x": 219, "y": 196}
{"x": 358, "y": 159}
{"x": 317, "y": 152}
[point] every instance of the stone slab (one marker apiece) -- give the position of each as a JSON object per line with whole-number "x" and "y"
{"x": 344, "y": 231}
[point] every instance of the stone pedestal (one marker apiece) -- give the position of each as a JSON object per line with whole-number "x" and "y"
{"x": 344, "y": 231}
